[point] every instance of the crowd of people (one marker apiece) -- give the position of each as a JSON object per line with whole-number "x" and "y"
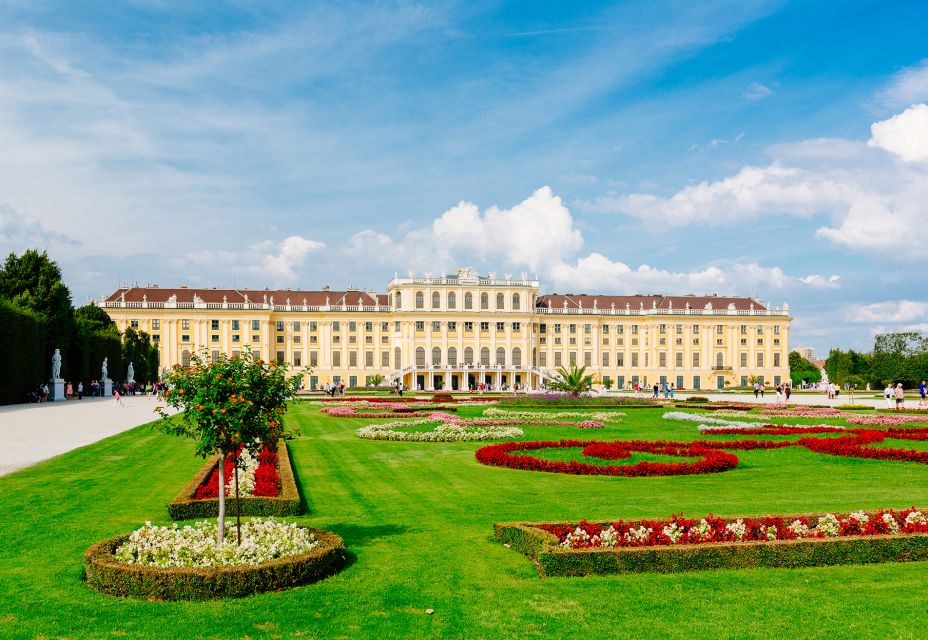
{"x": 97, "y": 389}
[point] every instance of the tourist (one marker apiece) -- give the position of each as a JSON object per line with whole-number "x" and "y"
{"x": 889, "y": 395}
{"x": 779, "y": 394}
{"x": 656, "y": 390}
{"x": 763, "y": 387}
{"x": 68, "y": 391}
{"x": 80, "y": 390}
{"x": 922, "y": 392}
{"x": 117, "y": 399}
{"x": 900, "y": 397}
{"x": 787, "y": 390}
{"x": 671, "y": 391}
{"x": 756, "y": 389}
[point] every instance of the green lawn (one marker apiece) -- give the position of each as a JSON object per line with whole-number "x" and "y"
{"x": 418, "y": 519}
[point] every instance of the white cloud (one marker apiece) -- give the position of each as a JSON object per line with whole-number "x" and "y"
{"x": 904, "y": 134}
{"x": 815, "y": 280}
{"x": 895, "y": 311}
{"x": 19, "y": 231}
{"x": 282, "y": 262}
{"x": 757, "y": 91}
{"x": 871, "y": 197}
{"x": 906, "y": 87}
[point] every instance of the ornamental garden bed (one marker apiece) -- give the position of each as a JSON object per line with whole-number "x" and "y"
{"x": 107, "y": 574}
{"x": 286, "y": 502}
{"x": 785, "y": 541}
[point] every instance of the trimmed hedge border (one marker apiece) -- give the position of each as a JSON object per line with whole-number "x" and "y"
{"x": 553, "y": 560}
{"x": 288, "y": 503}
{"x": 104, "y": 574}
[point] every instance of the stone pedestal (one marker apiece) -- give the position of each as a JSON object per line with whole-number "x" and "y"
{"x": 55, "y": 390}
{"x": 107, "y": 388}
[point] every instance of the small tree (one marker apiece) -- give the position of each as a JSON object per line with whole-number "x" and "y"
{"x": 232, "y": 403}
{"x": 608, "y": 384}
{"x": 375, "y": 380}
{"x": 573, "y": 381}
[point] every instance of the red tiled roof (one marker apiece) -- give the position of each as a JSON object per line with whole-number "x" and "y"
{"x": 259, "y": 296}
{"x": 587, "y": 301}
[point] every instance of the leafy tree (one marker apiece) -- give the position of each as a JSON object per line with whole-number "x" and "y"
{"x": 841, "y": 365}
{"x": 234, "y": 403}
{"x": 93, "y": 318}
{"x": 573, "y": 381}
{"x": 608, "y": 384}
{"x": 899, "y": 357}
{"x": 137, "y": 348}
{"x": 375, "y": 380}
{"x": 801, "y": 369}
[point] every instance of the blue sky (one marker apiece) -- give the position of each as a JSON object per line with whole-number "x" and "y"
{"x": 776, "y": 149}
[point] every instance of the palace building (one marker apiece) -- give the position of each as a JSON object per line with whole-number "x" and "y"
{"x": 457, "y": 331}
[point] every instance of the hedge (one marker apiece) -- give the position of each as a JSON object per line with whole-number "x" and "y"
{"x": 288, "y": 503}
{"x": 553, "y": 560}
{"x": 103, "y": 573}
{"x": 22, "y": 343}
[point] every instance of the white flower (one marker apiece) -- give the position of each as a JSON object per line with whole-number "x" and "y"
{"x": 737, "y": 528}
{"x": 829, "y": 525}
{"x": 890, "y": 521}
{"x": 672, "y": 531}
{"x": 916, "y": 517}
{"x": 799, "y": 528}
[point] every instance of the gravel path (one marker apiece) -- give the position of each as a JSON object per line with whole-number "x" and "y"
{"x": 34, "y": 432}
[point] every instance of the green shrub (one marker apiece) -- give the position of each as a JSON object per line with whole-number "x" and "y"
{"x": 288, "y": 503}
{"x": 105, "y": 574}
{"x": 697, "y": 399}
{"x": 855, "y": 407}
{"x": 22, "y": 343}
{"x": 562, "y": 400}
{"x": 553, "y": 560}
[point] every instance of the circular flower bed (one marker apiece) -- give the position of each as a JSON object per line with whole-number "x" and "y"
{"x": 186, "y": 563}
{"x": 711, "y": 460}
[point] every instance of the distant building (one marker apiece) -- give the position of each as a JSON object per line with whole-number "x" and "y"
{"x": 806, "y": 352}
{"x": 457, "y": 331}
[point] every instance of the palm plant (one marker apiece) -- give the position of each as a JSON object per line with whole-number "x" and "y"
{"x": 573, "y": 381}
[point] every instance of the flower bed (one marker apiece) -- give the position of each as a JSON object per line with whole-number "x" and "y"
{"x": 442, "y": 431}
{"x": 600, "y": 416}
{"x": 680, "y": 544}
{"x": 300, "y": 557}
{"x": 285, "y": 502}
{"x": 257, "y": 477}
{"x": 711, "y": 460}
{"x": 803, "y": 412}
{"x": 885, "y": 421}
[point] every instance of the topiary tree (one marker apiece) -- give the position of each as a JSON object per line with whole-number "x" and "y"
{"x": 573, "y": 381}
{"x": 375, "y": 380}
{"x": 227, "y": 405}
{"x": 608, "y": 384}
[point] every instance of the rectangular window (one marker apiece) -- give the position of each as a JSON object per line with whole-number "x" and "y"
{"x": 719, "y": 329}
{"x": 185, "y": 337}
{"x": 776, "y": 329}
{"x": 397, "y": 326}
{"x": 420, "y": 325}
{"x": 214, "y": 337}
{"x": 696, "y": 360}
{"x": 368, "y": 339}
{"x": 296, "y": 339}
{"x": 134, "y": 324}
{"x": 516, "y": 327}
{"x": 760, "y": 359}
{"x": 557, "y": 341}
{"x": 776, "y": 359}
{"x": 256, "y": 325}
{"x": 314, "y": 358}
{"x": 744, "y": 359}
{"x": 744, "y": 329}
{"x": 280, "y": 357}
{"x": 280, "y": 325}
{"x": 368, "y": 358}
{"x": 336, "y": 358}
{"x": 543, "y": 359}
{"x": 720, "y": 342}
{"x": 620, "y": 329}
{"x": 384, "y": 326}
{"x": 604, "y": 356}
{"x": 352, "y": 381}
{"x": 313, "y": 326}
{"x": 557, "y": 328}
{"x": 236, "y": 325}
{"x": 679, "y": 328}
{"x": 573, "y": 328}
{"x": 587, "y": 328}
{"x": 697, "y": 383}
{"x": 297, "y": 359}
{"x": 605, "y": 329}
{"x": 484, "y": 326}
{"x": 336, "y": 326}
{"x": 557, "y": 358}
{"x": 313, "y": 339}
{"x": 368, "y": 326}
{"x": 385, "y": 359}
{"x": 468, "y": 327}
{"x": 744, "y": 381}
{"x": 634, "y": 359}
{"x": 662, "y": 328}
{"x": 296, "y": 326}
{"x": 760, "y": 341}
{"x": 185, "y": 324}
{"x": 156, "y": 324}
{"x": 587, "y": 359}
{"x": 634, "y": 329}
{"x": 214, "y": 325}
{"x": 744, "y": 341}
{"x": 678, "y": 358}
{"x": 573, "y": 341}
{"x": 500, "y": 327}
{"x": 542, "y": 328}
{"x": 352, "y": 326}
{"x": 214, "y": 357}
{"x": 255, "y": 337}
{"x": 620, "y": 359}
{"x": 352, "y": 358}
{"x": 662, "y": 359}
{"x": 436, "y": 326}
{"x": 776, "y": 380}
{"x": 760, "y": 331}
{"x": 452, "y": 326}
{"x": 280, "y": 339}
{"x": 155, "y": 337}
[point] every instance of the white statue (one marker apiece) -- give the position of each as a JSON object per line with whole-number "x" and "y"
{"x": 104, "y": 377}
{"x": 130, "y": 373}
{"x": 56, "y": 365}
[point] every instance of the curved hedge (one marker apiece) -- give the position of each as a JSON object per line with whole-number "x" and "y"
{"x": 288, "y": 503}
{"x": 103, "y": 573}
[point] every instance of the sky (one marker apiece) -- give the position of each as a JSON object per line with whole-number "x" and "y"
{"x": 771, "y": 149}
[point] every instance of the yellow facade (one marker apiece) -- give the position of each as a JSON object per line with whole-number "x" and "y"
{"x": 460, "y": 331}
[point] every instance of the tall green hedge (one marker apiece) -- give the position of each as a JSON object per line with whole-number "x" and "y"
{"x": 22, "y": 353}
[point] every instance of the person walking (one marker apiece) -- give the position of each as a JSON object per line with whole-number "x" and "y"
{"x": 756, "y": 389}
{"x": 787, "y": 390}
{"x": 80, "y": 390}
{"x": 763, "y": 387}
{"x": 889, "y": 395}
{"x": 779, "y": 393}
{"x": 117, "y": 399}
{"x": 900, "y": 397}
{"x": 922, "y": 392}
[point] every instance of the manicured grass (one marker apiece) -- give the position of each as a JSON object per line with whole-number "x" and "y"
{"x": 418, "y": 518}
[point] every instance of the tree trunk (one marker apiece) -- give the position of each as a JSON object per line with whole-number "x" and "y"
{"x": 238, "y": 507}
{"x": 221, "y": 524}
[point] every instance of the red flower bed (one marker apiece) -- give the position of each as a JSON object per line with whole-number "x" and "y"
{"x": 712, "y": 461}
{"x": 267, "y": 481}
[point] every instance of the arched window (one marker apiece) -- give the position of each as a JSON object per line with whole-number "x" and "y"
{"x": 484, "y": 300}
{"x": 397, "y": 358}
{"x": 452, "y": 300}
{"x": 516, "y": 357}
{"x": 500, "y": 356}
{"x": 468, "y": 300}
{"x": 436, "y": 300}
{"x": 515, "y": 301}
{"x": 436, "y": 356}
{"x": 500, "y": 300}
{"x": 719, "y": 360}
{"x": 399, "y": 300}
{"x": 420, "y": 300}
{"x": 420, "y": 356}
{"x": 485, "y": 356}
{"x": 452, "y": 356}
{"x": 468, "y": 355}
{"x": 185, "y": 358}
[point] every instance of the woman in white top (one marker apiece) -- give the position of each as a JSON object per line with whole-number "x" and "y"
{"x": 888, "y": 394}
